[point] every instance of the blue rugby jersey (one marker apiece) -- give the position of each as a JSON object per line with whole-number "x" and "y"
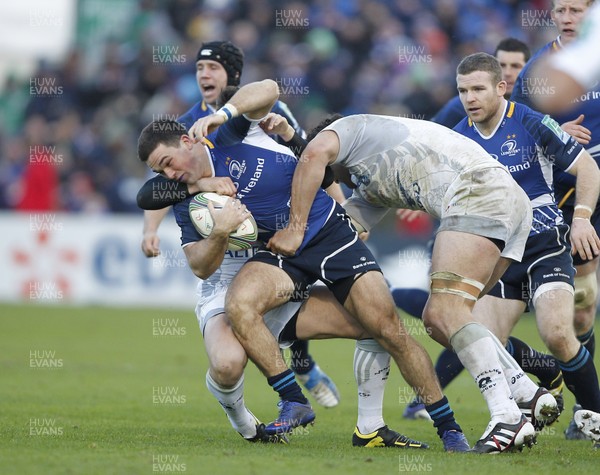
{"x": 588, "y": 105}
{"x": 527, "y": 144}
{"x": 262, "y": 170}
{"x": 233, "y": 260}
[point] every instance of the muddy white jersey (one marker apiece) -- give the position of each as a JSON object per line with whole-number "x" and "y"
{"x": 405, "y": 163}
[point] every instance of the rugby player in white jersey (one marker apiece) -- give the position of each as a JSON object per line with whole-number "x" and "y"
{"x": 485, "y": 219}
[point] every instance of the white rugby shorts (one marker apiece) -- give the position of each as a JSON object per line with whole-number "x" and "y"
{"x": 502, "y": 211}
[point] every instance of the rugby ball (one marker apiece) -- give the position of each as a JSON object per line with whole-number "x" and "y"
{"x": 242, "y": 238}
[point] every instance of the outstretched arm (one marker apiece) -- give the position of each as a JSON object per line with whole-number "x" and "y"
{"x": 575, "y": 129}
{"x": 562, "y": 87}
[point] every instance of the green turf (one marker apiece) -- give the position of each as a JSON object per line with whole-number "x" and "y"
{"x": 126, "y": 395}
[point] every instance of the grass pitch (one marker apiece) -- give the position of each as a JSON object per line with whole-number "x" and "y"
{"x": 121, "y": 391}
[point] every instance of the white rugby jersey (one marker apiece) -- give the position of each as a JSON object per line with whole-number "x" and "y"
{"x": 403, "y": 163}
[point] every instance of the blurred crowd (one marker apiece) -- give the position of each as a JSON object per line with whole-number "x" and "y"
{"x": 68, "y": 134}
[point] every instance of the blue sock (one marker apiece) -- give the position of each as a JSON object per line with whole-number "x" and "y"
{"x": 410, "y": 301}
{"x": 286, "y": 386}
{"x": 589, "y": 341}
{"x": 301, "y": 362}
{"x": 545, "y": 367}
{"x": 582, "y": 380}
{"x": 443, "y": 416}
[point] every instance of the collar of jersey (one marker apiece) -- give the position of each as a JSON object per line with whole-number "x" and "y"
{"x": 557, "y": 44}
{"x": 208, "y": 146}
{"x": 509, "y": 108}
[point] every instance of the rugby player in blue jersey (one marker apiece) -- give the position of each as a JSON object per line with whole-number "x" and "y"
{"x": 512, "y": 55}
{"x": 568, "y": 16}
{"x": 220, "y": 64}
{"x": 331, "y": 252}
{"x": 529, "y": 144}
{"x": 226, "y": 356}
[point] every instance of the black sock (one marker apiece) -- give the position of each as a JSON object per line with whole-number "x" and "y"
{"x": 443, "y": 416}
{"x": 589, "y": 341}
{"x": 447, "y": 367}
{"x": 544, "y": 366}
{"x": 582, "y": 380}
{"x": 411, "y": 301}
{"x": 300, "y": 362}
{"x": 286, "y": 386}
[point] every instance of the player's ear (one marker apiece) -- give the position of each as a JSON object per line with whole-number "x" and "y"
{"x": 501, "y": 88}
{"x": 186, "y": 141}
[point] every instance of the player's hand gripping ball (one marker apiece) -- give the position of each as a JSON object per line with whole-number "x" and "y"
{"x": 242, "y": 238}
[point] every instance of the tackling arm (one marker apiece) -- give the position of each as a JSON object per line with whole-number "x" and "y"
{"x": 159, "y": 192}
{"x": 255, "y": 100}
{"x": 308, "y": 176}
{"x": 278, "y": 124}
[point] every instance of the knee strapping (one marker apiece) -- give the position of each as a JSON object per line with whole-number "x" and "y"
{"x": 451, "y": 283}
{"x": 586, "y": 291}
{"x": 469, "y": 333}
